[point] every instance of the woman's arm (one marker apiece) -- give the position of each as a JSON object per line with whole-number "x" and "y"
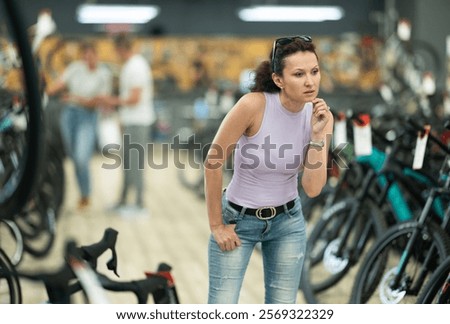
{"x": 240, "y": 120}
{"x": 314, "y": 175}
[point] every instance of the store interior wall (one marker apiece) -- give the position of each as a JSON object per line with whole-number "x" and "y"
{"x": 218, "y": 18}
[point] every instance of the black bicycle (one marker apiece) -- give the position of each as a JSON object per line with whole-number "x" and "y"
{"x": 20, "y": 139}
{"x": 79, "y": 273}
{"x": 20, "y": 113}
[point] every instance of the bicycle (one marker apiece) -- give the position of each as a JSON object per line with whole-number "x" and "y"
{"x": 31, "y": 174}
{"x": 404, "y": 63}
{"x": 20, "y": 115}
{"x": 81, "y": 263}
{"x": 390, "y": 192}
{"x": 20, "y": 138}
{"x": 399, "y": 263}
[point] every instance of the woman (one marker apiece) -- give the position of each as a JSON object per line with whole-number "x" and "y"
{"x": 82, "y": 82}
{"x": 277, "y": 130}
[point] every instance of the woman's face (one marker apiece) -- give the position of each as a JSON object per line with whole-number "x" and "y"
{"x": 301, "y": 77}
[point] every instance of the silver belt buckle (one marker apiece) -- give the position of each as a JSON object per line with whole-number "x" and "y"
{"x": 259, "y": 213}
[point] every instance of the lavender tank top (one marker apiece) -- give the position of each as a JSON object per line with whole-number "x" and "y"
{"x": 267, "y": 164}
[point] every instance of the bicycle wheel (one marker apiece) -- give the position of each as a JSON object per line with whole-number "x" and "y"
{"x": 345, "y": 187}
{"x": 374, "y": 281}
{"x": 437, "y": 290}
{"x": 37, "y": 220}
{"x": 326, "y": 272}
{"x": 11, "y": 241}
{"x": 20, "y": 112}
{"x": 37, "y": 223}
{"x": 425, "y": 58}
{"x": 10, "y": 290}
{"x": 190, "y": 171}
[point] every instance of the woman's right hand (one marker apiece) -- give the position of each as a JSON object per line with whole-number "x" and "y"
{"x": 226, "y": 237}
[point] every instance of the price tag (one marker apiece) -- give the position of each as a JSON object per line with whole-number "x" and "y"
{"x": 362, "y": 135}
{"x": 340, "y": 130}
{"x": 447, "y": 104}
{"x": 421, "y": 146}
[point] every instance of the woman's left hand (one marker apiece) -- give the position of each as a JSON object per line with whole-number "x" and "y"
{"x": 320, "y": 117}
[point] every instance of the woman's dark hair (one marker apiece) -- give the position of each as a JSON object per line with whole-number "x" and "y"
{"x": 263, "y": 73}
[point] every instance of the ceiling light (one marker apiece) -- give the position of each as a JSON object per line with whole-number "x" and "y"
{"x": 291, "y": 13}
{"x": 116, "y": 14}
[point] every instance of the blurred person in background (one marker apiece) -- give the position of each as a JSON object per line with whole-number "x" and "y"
{"x": 279, "y": 129}
{"x": 136, "y": 114}
{"x": 80, "y": 84}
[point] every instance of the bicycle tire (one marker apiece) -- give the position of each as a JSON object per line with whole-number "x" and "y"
{"x": 18, "y": 187}
{"x": 14, "y": 246}
{"x": 9, "y": 281}
{"x": 37, "y": 220}
{"x": 377, "y": 268}
{"x": 321, "y": 261}
{"x": 345, "y": 187}
{"x": 190, "y": 173}
{"x": 313, "y": 207}
{"x": 435, "y": 285}
{"x": 38, "y": 226}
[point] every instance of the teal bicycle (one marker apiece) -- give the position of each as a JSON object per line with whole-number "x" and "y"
{"x": 391, "y": 192}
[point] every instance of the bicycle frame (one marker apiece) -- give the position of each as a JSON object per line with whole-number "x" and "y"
{"x": 406, "y": 254}
{"x": 388, "y": 176}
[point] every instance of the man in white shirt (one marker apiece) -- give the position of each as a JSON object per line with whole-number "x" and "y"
{"x": 136, "y": 112}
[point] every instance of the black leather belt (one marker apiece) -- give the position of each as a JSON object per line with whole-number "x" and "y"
{"x": 264, "y": 213}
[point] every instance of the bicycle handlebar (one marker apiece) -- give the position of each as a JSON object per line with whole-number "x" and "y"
{"x": 92, "y": 252}
{"x": 141, "y": 288}
{"x": 58, "y": 284}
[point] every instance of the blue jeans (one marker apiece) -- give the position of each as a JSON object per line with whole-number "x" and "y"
{"x": 136, "y": 138}
{"x": 283, "y": 243}
{"x": 79, "y": 135}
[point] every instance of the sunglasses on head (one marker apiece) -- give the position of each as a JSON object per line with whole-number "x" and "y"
{"x": 284, "y": 41}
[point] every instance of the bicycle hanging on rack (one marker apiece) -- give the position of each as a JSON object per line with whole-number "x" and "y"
{"x": 20, "y": 113}
{"x": 390, "y": 192}
{"x": 403, "y": 259}
{"x": 20, "y": 134}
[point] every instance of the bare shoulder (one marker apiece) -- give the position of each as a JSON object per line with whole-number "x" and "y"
{"x": 248, "y": 112}
{"x": 250, "y": 104}
{"x": 253, "y": 100}
{"x": 245, "y": 114}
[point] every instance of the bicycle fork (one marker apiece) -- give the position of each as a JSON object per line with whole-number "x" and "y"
{"x": 407, "y": 253}
{"x": 354, "y": 252}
